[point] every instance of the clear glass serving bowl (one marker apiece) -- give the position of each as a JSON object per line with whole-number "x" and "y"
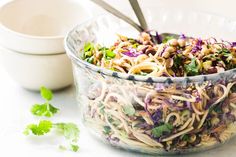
{"x": 166, "y": 115}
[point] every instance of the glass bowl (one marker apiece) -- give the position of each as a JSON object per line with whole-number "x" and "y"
{"x": 161, "y": 115}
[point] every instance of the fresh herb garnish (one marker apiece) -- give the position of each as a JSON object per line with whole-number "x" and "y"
{"x": 185, "y": 137}
{"x": 192, "y": 68}
{"x": 160, "y": 130}
{"x": 166, "y": 39}
{"x": 224, "y": 52}
{"x": 45, "y": 109}
{"x": 40, "y": 129}
{"x": 106, "y": 130}
{"x": 88, "y": 47}
{"x": 107, "y": 53}
{"x": 101, "y": 107}
{"x": 87, "y": 52}
{"x": 110, "y": 54}
{"x": 129, "y": 110}
{"x": 46, "y": 93}
{"x": 90, "y": 60}
{"x": 74, "y": 147}
{"x": 69, "y": 130}
{"x": 178, "y": 61}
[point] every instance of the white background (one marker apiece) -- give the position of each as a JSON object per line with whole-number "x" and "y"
{"x": 15, "y": 103}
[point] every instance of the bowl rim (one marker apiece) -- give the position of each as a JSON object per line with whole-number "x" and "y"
{"x": 29, "y": 54}
{"x": 33, "y": 37}
{"x": 149, "y": 79}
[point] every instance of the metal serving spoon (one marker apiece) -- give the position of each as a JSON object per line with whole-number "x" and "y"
{"x": 156, "y": 38}
{"x": 118, "y": 14}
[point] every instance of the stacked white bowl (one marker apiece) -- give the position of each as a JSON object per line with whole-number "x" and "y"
{"x": 31, "y": 40}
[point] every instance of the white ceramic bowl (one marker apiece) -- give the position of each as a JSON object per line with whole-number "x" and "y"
{"x": 39, "y": 26}
{"x": 34, "y": 71}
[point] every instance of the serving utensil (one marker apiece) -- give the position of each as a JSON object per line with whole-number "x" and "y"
{"x": 156, "y": 38}
{"x": 118, "y": 14}
{"x": 139, "y": 14}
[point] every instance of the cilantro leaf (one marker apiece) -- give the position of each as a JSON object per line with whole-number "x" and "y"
{"x": 107, "y": 130}
{"x": 69, "y": 130}
{"x": 192, "y": 68}
{"x": 167, "y": 38}
{"x": 110, "y": 54}
{"x": 129, "y": 110}
{"x": 185, "y": 137}
{"x": 45, "y": 109}
{"x": 107, "y": 53}
{"x": 46, "y": 93}
{"x": 42, "y": 128}
{"x": 88, "y": 47}
{"x": 160, "y": 130}
{"x": 74, "y": 147}
{"x": 224, "y": 52}
{"x": 61, "y": 147}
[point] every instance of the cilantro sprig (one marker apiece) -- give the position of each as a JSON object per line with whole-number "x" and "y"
{"x": 40, "y": 129}
{"x": 192, "y": 68}
{"x": 160, "y": 130}
{"x": 70, "y": 131}
{"x": 45, "y": 109}
{"x": 129, "y": 110}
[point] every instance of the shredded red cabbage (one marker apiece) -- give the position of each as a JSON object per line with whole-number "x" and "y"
{"x": 156, "y": 117}
{"x": 132, "y": 53}
{"x": 198, "y": 46}
{"x": 233, "y": 44}
{"x": 182, "y": 36}
{"x": 156, "y": 38}
{"x": 163, "y": 50}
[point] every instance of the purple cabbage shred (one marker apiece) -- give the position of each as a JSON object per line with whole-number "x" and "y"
{"x": 132, "y": 53}
{"x": 198, "y": 46}
{"x": 233, "y": 44}
{"x": 155, "y": 36}
{"x": 156, "y": 117}
{"x": 182, "y": 36}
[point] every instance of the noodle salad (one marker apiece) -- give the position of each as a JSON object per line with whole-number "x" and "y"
{"x": 173, "y": 57}
{"x": 155, "y": 116}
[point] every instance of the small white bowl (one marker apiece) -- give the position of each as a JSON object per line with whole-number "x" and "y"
{"x": 34, "y": 71}
{"x": 39, "y": 26}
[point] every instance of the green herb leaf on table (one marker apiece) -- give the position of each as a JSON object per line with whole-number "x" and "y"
{"x": 160, "y": 130}
{"x": 42, "y": 128}
{"x": 192, "y": 67}
{"x": 74, "y": 147}
{"x": 45, "y": 109}
{"x": 69, "y": 130}
{"x": 46, "y": 93}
